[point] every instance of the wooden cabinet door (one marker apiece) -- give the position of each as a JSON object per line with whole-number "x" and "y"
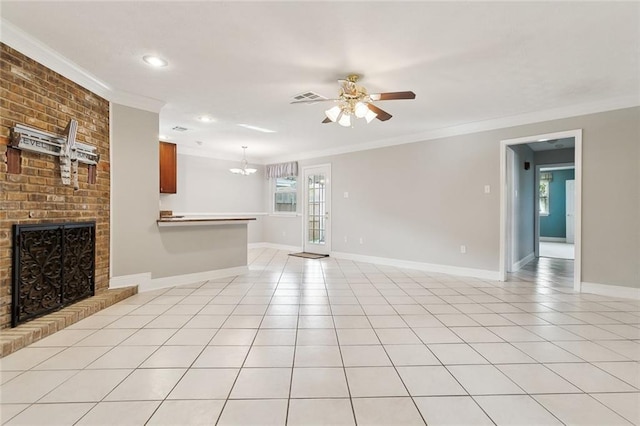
{"x": 168, "y": 168}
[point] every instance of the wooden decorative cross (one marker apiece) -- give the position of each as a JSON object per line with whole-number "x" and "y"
{"x": 70, "y": 152}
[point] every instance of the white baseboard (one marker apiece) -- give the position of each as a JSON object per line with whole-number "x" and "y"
{"x": 519, "y": 264}
{"x": 611, "y": 290}
{"x": 553, "y": 239}
{"x": 130, "y": 280}
{"x": 274, "y": 246}
{"x": 428, "y": 267}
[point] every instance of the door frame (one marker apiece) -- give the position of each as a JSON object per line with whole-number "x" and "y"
{"x": 506, "y": 237}
{"x": 305, "y": 198}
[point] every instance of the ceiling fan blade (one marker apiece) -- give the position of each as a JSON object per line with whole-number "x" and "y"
{"x": 382, "y": 115}
{"x": 326, "y": 120}
{"x": 312, "y": 101}
{"x": 390, "y": 96}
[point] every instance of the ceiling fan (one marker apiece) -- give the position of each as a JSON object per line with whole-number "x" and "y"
{"x": 354, "y": 101}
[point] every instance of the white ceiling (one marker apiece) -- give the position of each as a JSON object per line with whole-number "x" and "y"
{"x": 241, "y": 62}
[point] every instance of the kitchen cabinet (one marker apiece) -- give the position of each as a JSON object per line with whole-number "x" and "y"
{"x": 168, "y": 168}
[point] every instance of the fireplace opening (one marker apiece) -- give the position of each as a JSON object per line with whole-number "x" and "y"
{"x": 53, "y": 266}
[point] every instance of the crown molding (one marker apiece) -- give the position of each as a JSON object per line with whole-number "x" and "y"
{"x": 215, "y": 155}
{"x": 136, "y": 101}
{"x": 474, "y": 127}
{"x": 28, "y": 45}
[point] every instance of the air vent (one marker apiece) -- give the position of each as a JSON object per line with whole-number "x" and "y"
{"x": 179, "y": 129}
{"x": 308, "y": 96}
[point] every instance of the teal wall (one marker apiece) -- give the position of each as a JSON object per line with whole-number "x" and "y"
{"x": 555, "y": 225}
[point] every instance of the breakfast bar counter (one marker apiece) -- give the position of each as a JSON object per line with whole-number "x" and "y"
{"x": 202, "y": 221}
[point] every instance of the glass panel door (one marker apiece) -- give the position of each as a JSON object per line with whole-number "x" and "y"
{"x": 317, "y": 200}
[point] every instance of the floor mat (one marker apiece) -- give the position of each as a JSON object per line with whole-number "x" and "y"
{"x": 309, "y": 255}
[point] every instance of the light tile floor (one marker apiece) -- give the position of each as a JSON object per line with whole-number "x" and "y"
{"x": 305, "y": 342}
{"x": 557, "y": 250}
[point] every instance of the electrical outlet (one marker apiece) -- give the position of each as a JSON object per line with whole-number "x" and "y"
{"x": 487, "y": 189}
{"x": 345, "y": 238}
{"x": 346, "y": 194}
{"x": 284, "y": 233}
{"x": 463, "y": 249}
{"x": 361, "y": 240}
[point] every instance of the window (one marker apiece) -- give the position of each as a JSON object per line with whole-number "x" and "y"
{"x": 285, "y": 195}
{"x": 543, "y": 190}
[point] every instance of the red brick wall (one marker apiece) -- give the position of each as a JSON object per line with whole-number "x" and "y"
{"x": 33, "y": 95}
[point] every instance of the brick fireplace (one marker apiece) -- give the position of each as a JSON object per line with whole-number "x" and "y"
{"x": 35, "y": 96}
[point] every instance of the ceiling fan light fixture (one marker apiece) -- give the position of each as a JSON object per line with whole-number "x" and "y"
{"x": 361, "y": 110}
{"x": 333, "y": 113}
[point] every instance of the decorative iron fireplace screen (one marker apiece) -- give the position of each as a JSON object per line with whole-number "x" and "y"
{"x": 53, "y": 266}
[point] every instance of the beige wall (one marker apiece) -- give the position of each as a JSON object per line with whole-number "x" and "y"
{"x": 421, "y": 201}
{"x": 416, "y": 202}
{"x": 138, "y": 245}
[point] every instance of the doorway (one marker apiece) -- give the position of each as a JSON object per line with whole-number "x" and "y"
{"x": 317, "y": 209}
{"x": 555, "y": 219}
{"x": 517, "y": 247}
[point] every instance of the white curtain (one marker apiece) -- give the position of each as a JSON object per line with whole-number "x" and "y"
{"x": 282, "y": 170}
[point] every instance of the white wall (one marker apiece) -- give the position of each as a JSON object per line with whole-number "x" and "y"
{"x": 206, "y": 186}
{"x": 138, "y": 245}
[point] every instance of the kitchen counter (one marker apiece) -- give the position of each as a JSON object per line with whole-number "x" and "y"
{"x": 202, "y": 221}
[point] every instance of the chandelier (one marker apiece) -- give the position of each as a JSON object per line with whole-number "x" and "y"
{"x": 244, "y": 169}
{"x": 353, "y": 102}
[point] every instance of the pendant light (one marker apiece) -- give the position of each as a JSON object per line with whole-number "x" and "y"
{"x": 244, "y": 169}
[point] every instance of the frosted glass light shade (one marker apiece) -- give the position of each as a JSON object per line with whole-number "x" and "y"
{"x": 333, "y": 113}
{"x": 370, "y": 115}
{"x": 361, "y": 110}
{"x": 345, "y": 120}
{"x": 243, "y": 172}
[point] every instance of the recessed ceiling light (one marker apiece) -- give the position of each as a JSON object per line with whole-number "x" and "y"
{"x": 155, "y": 61}
{"x": 259, "y": 129}
{"x": 206, "y": 119}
